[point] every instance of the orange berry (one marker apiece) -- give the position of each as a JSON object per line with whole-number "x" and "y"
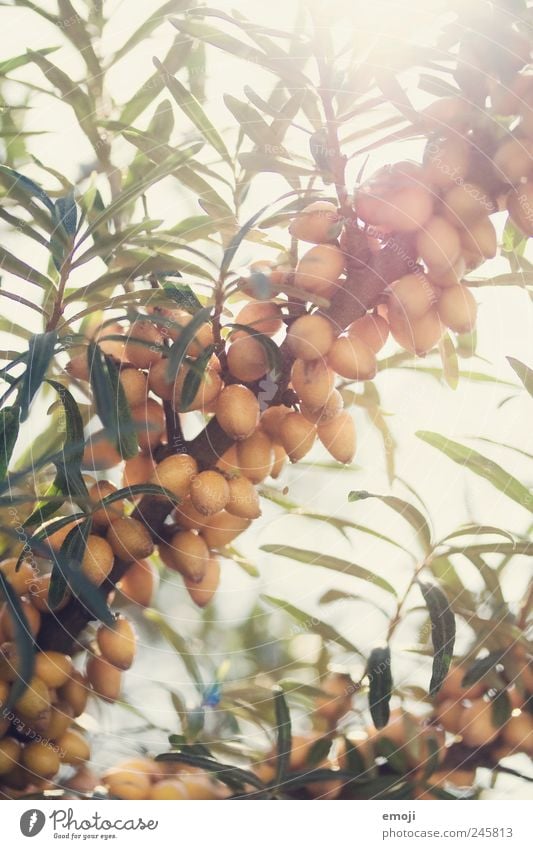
{"x": 446, "y": 160}
{"x": 186, "y": 553}
{"x": 202, "y": 592}
{"x": 237, "y": 411}
{"x": 412, "y": 296}
{"x": 438, "y": 243}
{"x": 149, "y": 421}
{"x": 137, "y": 470}
{"x": 76, "y": 692}
{"x": 144, "y": 344}
{"x": 118, "y": 644}
{"x": 297, "y": 436}
{"x": 40, "y": 759}
{"x": 129, "y": 539}
{"x": 104, "y": 678}
{"x": 310, "y": 337}
{"x": 371, "y": 329}
{"x": 255, "y": 456}
{"x": 271, "y": 419}
{"x": 73, "y": 748}
{"x": 339, "y": 437}
{"x": 352, "y": 358}
{"x": 135, "y": 386}
{"x": 317, "y": 222}
{"x": 261, "y": 316}
{"x": 243, "y": 499}
{"x": 53, "y": 668}
{"x": 247, "y": 359}
{"x": 395, "y": 198}
{"x": 457, "y": 309}
{"x": 313, "y": 382}
{"x": 103, "y": 517}
{"x": 319, "y": 269}
{"x": 222, "y": 528}
{"x": 418, "y": 336}
{"x": 209, "y": 492}
{"x": 175, "y": 473}
{"x": 97, "y": 560}
{"x": 139, "y": 584}
{"x": 21, "y": 580}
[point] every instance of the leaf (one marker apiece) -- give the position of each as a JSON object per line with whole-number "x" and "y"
{"x": 9, "y": 430}
{"x": 524, "y": 373}
{"x": 481, "y": 667}
{"x": 500, "y": 708}
{"x": 231, "y": 775}
{"x": 405, "y": 509}
{"x": 23, "y": 640}
{"x": 111, "y": 403}
{"x": 284, "y": 735}
{"x": 480, "y": 465}
{"x": 72, "y": 549}
{"x": 379, "y": 675}
{"x": 16, "y": 266}
{"x": 151, "y": 23}
{"x": 183, "y": 296}
{"x": 450, "y": 363}
{"x": 442, "y": 633}
{"x": 328, "y": 562}
{"x": 8, "y": 65}
{"x": 131, "y": 492}
{"x": 84, "y": 590}
{"x": 252, "y": 123}
{"x": 194, "y": 377}
{"x": 311, "y": 624}
{"x": 178, "y": 350}
{"x": 145, "y": 95}
{"x": 40, "y": 353}
{"x": 194, "y": 112}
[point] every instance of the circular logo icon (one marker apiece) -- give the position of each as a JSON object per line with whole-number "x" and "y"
{"x": 32, "y": 822}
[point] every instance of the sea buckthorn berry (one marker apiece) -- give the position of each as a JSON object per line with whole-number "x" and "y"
{"x": 518, "y": 733}
{"x": 203, "y": 337}
{"x": 446, "y": 160}
{"x": 10, "y": 752}
{"x": 21, "y": 580}
{"x": 40, "y": 759}
{"x": 105, "y": 515}
{"x": 317, "y": 222}
{"x": 61, "y": 717}
{"x": 208, "y": 390}
{"x": 247, "y": 359}
{"x": 104, "y": 678}
{"x": 159, "y": 381}
{"x": 76, "y": 692}
{"x": 129, "y": 539}
{"x": 209, "y": 492}
{"x": 451, "y": 277}
{"x": 465, "y": 202}
{"x": 352, "y": 358}
{"x": 324, "y": 414}
{"x": 118, "y": 643}
{"x": 457, "y": 309}
{"x": 33, "y": 618}
{"x": 175, "y": 473}
{"x": 513, "y": 160}
{"x": 228, "y": 462}
{"x": 237, "y": 411}
{"x": 297, "y": 436}
{"x": 188, "y": 517}
{"x": 149, "y": 421}
{"x": 271, "y": 419}
{"x": 310, "y": 336}
{"x": 130, "y": 784}
{"x": 479, "y": 241}
{"x": 78, "y": 367}
{"x": 137, "y": 470}
{"x": 38, "y": 592}
{"x": 261, "y": 317}
{"x": 280, "y": 459}
{"x": 73, "y": 748}
{"x": 338, "y": 436}
{"x": 520, "y": 205}
{"x": 99, "y": 453}
{"x": 97, "y": 560}
{"x": 412, "y": 296}
{"x": 372, "y": 329}
{"x": 313, "y": 382}
{"x": 255, "y": 456}
{"x": 476, "y": 725}
{"x": 187, "y": 553}
{"x": 202, "y": 592}
{"x": 319, "y": 269}
{"x": 243, "y": 498}
{"x": 143, "y": 344}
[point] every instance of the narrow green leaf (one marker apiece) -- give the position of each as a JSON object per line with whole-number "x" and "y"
{"x": 252, "y": 123}
{"x": 284, "y": 735}
{"x": 12, "y": 264}
{"x": 40, "y": 353}
{"x": 194, "y": 377}
{"x": 480, "y": 465}
{"x": 442, "y": 633}
{"x": 158, "y": 17}
{"x": 314, "y": 558}
{"x": 231, "y": 775}
{"x": 9, "y": 65}
{"x": 72, "y": 550}
{"x": 524, "y": 373}
{"x": 23, "y": 640}
{"x": 183, "y": 296}
{"x": 131, "y": 492}
{"x": 194, "y": 112}
{"x": 406, "y": 510}
{"x": 178, "y": 350}
{"x": 9, "y": 430}
{"x": 500, "y": 708}
{"x": 175, "y": 59}
{"x": 233, "y": 246}
{"x": 379, "y": 675}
